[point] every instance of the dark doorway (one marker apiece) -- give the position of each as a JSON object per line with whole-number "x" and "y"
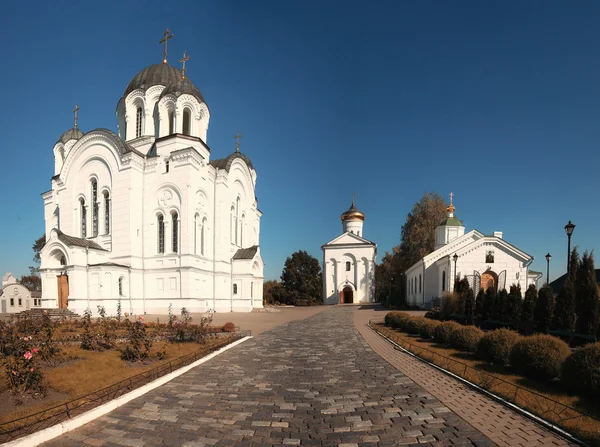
{"x": 347, "y": 295}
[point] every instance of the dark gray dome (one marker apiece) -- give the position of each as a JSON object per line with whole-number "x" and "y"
{"x": 71, "y": 134}
{"x": 158, "y": 74}
{"x": 225, "y": 163}
{"x": 182, "y": 87}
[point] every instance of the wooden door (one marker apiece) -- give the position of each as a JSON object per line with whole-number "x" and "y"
{"x": 63, "y": 291}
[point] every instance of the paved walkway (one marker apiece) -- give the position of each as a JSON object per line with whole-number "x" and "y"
{"x": 502, "y": 425}
{"x": 308, "y": 382}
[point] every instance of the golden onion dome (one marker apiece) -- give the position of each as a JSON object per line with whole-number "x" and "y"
{"x": 353, "y": 213}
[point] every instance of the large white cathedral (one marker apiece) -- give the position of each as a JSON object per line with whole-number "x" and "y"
{"x": 146, "y": 217}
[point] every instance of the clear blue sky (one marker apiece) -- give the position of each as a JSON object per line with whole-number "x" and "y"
{"x": 496, "y": 101}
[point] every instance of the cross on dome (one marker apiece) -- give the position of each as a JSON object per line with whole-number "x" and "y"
{"x": 184, "y": 59}
{"x": 165, "y": 39}
{"x": 451, "y": 208}
{"x": 76, "y": 116}
{"x": 237, "y": 137}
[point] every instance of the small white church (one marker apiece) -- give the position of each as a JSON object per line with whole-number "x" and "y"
{"x": 349, "y": 263}
{"x": 146, "y": 216}
{"x": 485, "y": 260}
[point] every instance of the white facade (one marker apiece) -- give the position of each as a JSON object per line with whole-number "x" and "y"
{"x": 15, "y": 297}
{"x": 146, "y": 217}
{"x": 349, "y": 264}
{"x": 481, "y": 258}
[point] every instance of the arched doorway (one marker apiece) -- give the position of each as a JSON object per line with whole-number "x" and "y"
{"x": 489, "y": 279}
{"x": 347, "y": 295}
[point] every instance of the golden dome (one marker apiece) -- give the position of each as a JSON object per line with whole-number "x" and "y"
{"x": 353, "y": 213}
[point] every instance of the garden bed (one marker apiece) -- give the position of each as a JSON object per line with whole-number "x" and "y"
{"x": 575, "y": 414}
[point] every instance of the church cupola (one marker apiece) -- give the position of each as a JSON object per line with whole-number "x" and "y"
{"x": 65, "y": 142}
{"x": 353, "y": 220}
{"x": 448, "y": 229}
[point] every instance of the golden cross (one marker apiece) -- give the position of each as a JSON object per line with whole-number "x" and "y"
{"x": 237, "y": 137}
{"x": 184, "y": 59}
{"x": 76, "y": 115}
{"x": 451, "y": 195}
{"x": 165, "y": 39}
{"x": 353, "y": 196}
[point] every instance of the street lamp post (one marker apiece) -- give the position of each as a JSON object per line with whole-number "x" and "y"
{"x": 569, "y": 230}
{"x": 455, "y": 257}
{"x": 548, "y": 257}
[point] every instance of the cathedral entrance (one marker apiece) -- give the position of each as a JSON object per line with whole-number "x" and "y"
{"x": 63, "y": 291}
{"x": 347, "y": 295}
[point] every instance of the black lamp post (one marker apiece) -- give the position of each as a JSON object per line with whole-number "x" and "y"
{"x": 548, "y": 257}
{"x": 455, "y": 257}
{"x": 569, "y": 230}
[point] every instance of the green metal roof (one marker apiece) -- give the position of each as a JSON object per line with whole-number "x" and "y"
{"x": 451, "y": 222}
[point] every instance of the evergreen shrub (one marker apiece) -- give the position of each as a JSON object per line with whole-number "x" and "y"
{"x": 414, "y": 324}
{"x": 466, "y": 338}
{"x": 441, "y": 334}
{"x": 428, "y": 328}
{"x": 539, "y": 356}
{"x": 581, "y": 371}
{"x": 495, "y": 346}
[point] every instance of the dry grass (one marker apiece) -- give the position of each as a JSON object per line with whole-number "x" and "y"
{"x": 90, "y": 371}
{"x": 546, "y": 399}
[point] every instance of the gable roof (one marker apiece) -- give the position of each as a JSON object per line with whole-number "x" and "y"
{"x": 73, "y": 241}
{"x": 246, "y": 253}
{"x": 355, "y": 240}
{"x": 558, "y": 283}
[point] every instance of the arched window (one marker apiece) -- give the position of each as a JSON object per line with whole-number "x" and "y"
{"x": 83, "y": 217}
{"x": 242, "y": 232}
{"x": 444, "y": 281}
{"x": 94, "y": 207}
{"x": 348, "y": 266}
{"x": 232, "y": 224}
{"x": 161, "y": 233}
{"x": 171, "y": 122}
{"x": 63, "y": 260}
{"x": 195, "y": 233}
{"x": 202, "y": 230}
{"x": 186, "y": 121}
{"x": 121, "y": 279}
{"x": 175, "y": 233}
{"x": 237, "y": 216}
{"x": 106, "y": 212}
{"x": 138, "y": 122}
{"x": 235, "y": 289}
{"x": 419, "y": 283}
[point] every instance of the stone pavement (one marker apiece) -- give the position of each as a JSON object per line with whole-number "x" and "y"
{"x": 308, "y": 382}
{"x": 502, "y": 425}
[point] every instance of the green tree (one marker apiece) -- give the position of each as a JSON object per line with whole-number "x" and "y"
{"x": 37, "y": 248}
{"x": 564, "y": 311}
{"x": 384, "y": 279}
{"x": 268, "y": 287}
{"x": 301, "y": 279}
{"x": 479, "y": 306}
{"x": 469, "y": 305}
{"x": 574, "y": 264}
{"x": 489, "y": 304}
{"x": 513, "y": 306}
{"x": 527, "y": 320}
{"x": 32, "y": 282}
{"x": 544, "y": 309}
{"x": 587, "y": 295}
{"x": 500, "y": 306}
{"x": 461, "y": 287}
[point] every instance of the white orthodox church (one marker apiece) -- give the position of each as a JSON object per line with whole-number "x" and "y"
{"x": 485, "y": 260}
{"x": 147, "y": 216}
{"x": 349, "y": 263}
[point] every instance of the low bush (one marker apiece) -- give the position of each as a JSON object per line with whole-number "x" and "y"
{"x": 581, "y": 371}
{"x": 495, "y": 346}
{"x": 428, "y": 328}
{"x": 434, "y": 314}
{"x": 539, "y": 356}
{"x": 229, "y": 327}
{"x": 466, "y": 338}
{"x": 441, "y": 334}
{"x": 398, "y": 320}
{"x": 413, "y": 325}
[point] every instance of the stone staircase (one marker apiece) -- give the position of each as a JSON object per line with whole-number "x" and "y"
{"x": 52, "y": 313}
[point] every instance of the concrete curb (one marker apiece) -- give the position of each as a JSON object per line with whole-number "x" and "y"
{"x": 59, "y": 429}
{"x": 540, "y": 421}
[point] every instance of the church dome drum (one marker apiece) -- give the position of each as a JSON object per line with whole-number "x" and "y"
{"x": 71, "y": 134}
{"x": 352, "y": 213}
{"x": 182, "y": 87}
{"x": 157, "y": 74}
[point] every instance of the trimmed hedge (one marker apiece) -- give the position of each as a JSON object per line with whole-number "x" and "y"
{"x": 466, "y": 338}
{"x": 397, "y": 320}
{"x": 539, "y": 356}
{"x": 495, "y": 346}
{"x": 414, "y": 324}
{"x": 581, "y": 371}
{"x": 428, "y": 328}
{"x": 441, "y": 334}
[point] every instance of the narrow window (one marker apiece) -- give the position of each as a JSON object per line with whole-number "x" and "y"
{"x": 166, "y": 165}
{"x": 63, "y": 260}
{"x": 444, "y": 281}
{"x": 175, "y": 234}
{"x": 161, "y": 233}
{"x": 237, "y": 215}
{"x": 94, "y": 208}
{"x": 106, "y": 213}
{"x": 12, "y": 302}
{"x": 195, "y": 233}
{"x": 419, "y": 283}
{"x": 138, "y": 122}
{"x": 235, "y": 289}
{"x": 121, "y": 286}
{"x": 242, "y": 232}
{"x": 20, "y": 302}
{"x": 171, "y": 122}
{"x": 232, "y": 225}
{"x": 83, "y": 217}
{"x": 202, "y": 230}
{"x": 348, "y": 266}
{"x": 186, "y": 122}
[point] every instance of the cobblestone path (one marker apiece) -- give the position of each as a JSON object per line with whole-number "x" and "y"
{"x": 309, "y": 382}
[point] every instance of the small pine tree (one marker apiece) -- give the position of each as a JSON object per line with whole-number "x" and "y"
{"x": 564, "y": 311}
{"x": 500, "y": 305}
{"x": 527, "y": 320}
{"x": 119, "y": 310}
{"x": 461, "y": 287}
{"x": 479, "y": 306}
{"x": 469, "y": 305}
{"x": 587, "y": 318}
{"x": 574, "y": 264}
{"x": 87, "y": 341}
{"x": 489, "y": 301}
{"x": 544, "y": 309}
{"x": 513, "y": 306}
